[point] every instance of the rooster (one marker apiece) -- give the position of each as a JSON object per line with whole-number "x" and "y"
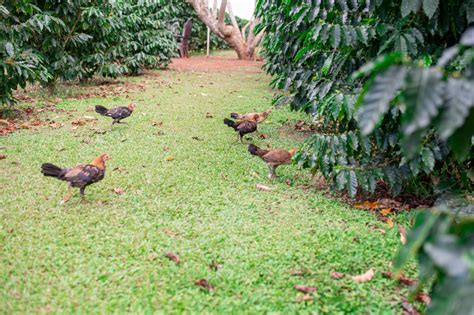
{"x": 79, "y": 176}
{"x": 273, "y": 158}
{"x": 242, "y": 127}
{"x": 117, "y": 113}
{"x": 254, "y": 117}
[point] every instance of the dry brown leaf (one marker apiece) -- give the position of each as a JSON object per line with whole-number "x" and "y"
{"x": 367, "y": 205}
{"x": 337, "y": 275}
{"x": 403, "y": 234}
{"x": 157, "y": 123}
{"x": 365, "y": 276}
{"x": 304, "y": 289}
{"x": 305, "y": 298}
{"x": 263, "y": 136}
{"x": 172, "y": 256}
{"x": 25, "y": 126}
{"x": 406, "y": 281}
{"x": 204, "y": 284}
{"x": 209, "y": 115}
{"x": 385, "y": 211}
{"x": 118, "y": 191}
{"x": 389, "y": 223}
{"x": 3, "y": 156}
{"x": 263, "y": 187}
{"x": 409, "y": 309}
{"x": 169, "y": 158}
{"x": 387, "y": 274}
{"x": 4, "y": 122}
{"x": 423, "y": 298}
{"x": 79, "y": 122}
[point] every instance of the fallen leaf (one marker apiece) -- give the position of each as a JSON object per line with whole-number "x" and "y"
{"x": 423, "y": 298}
{"x": 204, "y": 284}
{"x": 4, "y": 122}
{"x": 337, "y": 275}
{"x": 152, "y": 256}
{"x": 409, "y": 309}
{"x": 365, "y": 276}
{"x": 304, "y": 289}
{"x": 305, "y": 298}
{"x": 385, "y": 211}
{"x": 157, "y": 123}
{"x": 389, "y": 223}
{"x": 118, "y": 191}
{"x": 403, "y": 234}
{"x": 209, "y": 115}
{"x": 406, "y": 281}
{"x": 387, "y": 274}
{"x": 263, "y": 136}
{"x": 214, "y": 266}
{"x": 367, "y": 205}
{"x": 169, "y": 158}
{"x": 263, "y": 187}
{"x": 25, "y": 126}
{"x": 86, "y": 141}
{"x": 173, "y": 257}
{"x": 79, "y": 122}
{"x": 3, "y": 156}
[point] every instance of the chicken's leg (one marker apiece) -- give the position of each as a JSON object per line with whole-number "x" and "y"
{"x": 272, "y": 173}
{"x": 113, "y": 123}
{"x": 68, "y": 195}
{"x": 82, "y": 193}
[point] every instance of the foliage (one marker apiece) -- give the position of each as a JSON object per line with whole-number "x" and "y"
{"x": 443, "y": 244}
{"x": 50, "y": 40}
{"x": 314, "y": 47}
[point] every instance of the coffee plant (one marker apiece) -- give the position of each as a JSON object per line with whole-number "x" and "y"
{"x": 320, "y": 53}
{"x": 47, "y": 41}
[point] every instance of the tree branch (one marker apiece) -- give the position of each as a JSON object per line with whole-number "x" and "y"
{"x": 214, "y": 10}
{"x": 221, "y": 19}
{"x": 232, "y": 17}
{"x": 244, "y": 29}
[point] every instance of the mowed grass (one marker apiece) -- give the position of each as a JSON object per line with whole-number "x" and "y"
{"x": 109, "y": 255}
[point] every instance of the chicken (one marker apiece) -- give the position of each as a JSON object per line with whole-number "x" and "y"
{"x": 79, "y": 176}
{"x": 117, "y": 113}
{"x": 241, "y": 127}
{"x": 254, "y": 117}
{"x": 273, "y": 158}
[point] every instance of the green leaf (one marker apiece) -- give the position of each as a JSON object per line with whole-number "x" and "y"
{"x": 327, "y": 64}
{"x": 409, "y": 6}
{"x": 428, "y": 158}
{"x": 351, "y": 183}
{"x": 424, "y": 221}
{"x": 376, "y": 101}
{"x": 430, "y": 6}
{"x": 424, "y": 95}
{"x": 336, "y": 36}
{"x": 461, "y": 141}
{"x": 9, "y": 49}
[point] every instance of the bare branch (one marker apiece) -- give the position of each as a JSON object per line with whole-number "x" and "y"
{"x": 244, "y": 29}
{"x": 214, "y": 10}
{"x": 221, "y": 18}
{"x": 232, "y": 17}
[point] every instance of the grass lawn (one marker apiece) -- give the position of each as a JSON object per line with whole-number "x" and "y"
{"x": 109, "y": 255}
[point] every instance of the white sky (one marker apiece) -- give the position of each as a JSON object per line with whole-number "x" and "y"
{"x": 241, "y": 8}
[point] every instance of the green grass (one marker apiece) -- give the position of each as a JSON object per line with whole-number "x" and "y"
{"x": 109, "y": 255}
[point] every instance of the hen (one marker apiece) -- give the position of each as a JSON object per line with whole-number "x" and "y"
{"x": 79, "y": 176}
{"x": 117, "y": 113}
{"x": 273, "y": 158}
{"x": 242, "y": 127}
{"x": 254, "y": 117}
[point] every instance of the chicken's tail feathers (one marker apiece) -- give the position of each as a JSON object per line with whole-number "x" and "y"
{"x": 235, "y": 115}
{"x": 254, "y": 150}
{"x": 101, "y": 110}
{"x": 51, "y": 170}
{"x": 229, "y": 123}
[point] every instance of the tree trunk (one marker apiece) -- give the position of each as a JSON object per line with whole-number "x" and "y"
{"x": 231, "y": 34}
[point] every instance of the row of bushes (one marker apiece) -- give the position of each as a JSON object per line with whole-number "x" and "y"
{"x": 44, "y": 41}
{"x": 389, "y": 85}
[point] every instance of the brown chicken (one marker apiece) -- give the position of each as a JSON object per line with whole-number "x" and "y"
{"x": 117, "y": 113}
{"x": 79, "y": 176}
{"x": 242, "y": 127}
{"x": 273, "y": 158}
{"x": 254, "y": 117}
